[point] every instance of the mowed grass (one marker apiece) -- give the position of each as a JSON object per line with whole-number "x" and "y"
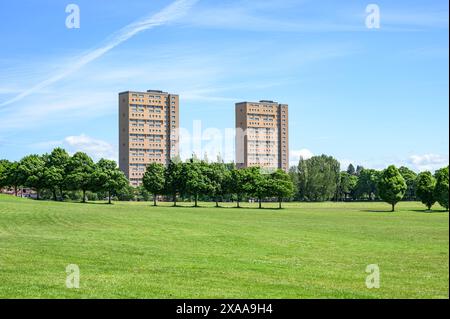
{"x": 307, "y": 250}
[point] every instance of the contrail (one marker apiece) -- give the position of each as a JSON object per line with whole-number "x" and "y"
{"x": 170, "y": 13}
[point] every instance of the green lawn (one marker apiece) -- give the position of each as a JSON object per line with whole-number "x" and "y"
{"x": 308, "y": 250}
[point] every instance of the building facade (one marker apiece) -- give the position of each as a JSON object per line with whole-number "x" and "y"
{"x": 262, "y": 135}
{"x": 148, "y": 131}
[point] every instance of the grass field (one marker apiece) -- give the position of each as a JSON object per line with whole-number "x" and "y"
{"x": 308, "y": 250}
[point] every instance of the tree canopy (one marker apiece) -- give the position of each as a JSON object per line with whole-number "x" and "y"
{"x": 391, "y": 186}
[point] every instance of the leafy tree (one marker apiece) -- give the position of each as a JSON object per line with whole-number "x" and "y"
{"x": 441, "y": 191}
{"x": 197, "y": 182}
{"x": 127, "y": 193}
{"x": 257, "y": 184}
{"x": 293, "y": 175}
{"x": 4, "y": 167}
{"x": 280, "y": 185}
{"x": 351, "y": 170}
{"x": 53, "y": 177}
{"x": 219, "y": 177}
{"x": 425, "y": 185}
{"x": 367, "y": 184}
{"x": 80, "y": 173}
{"x": 12, "y": 177}
{"x": 347, "y": 185}
{"x": 319, "y": 178}
{"x": 359, "y": 169}
{"x": 391, "y": 186}
{"x": 174, "y": 180}
{"x": 31, "y": 172}
{"x": 410, "y": 179}
{"x": 154, "y": 180}
{"x": 57, "y": 161}
{"x": 302, "y": 179}
{"x": 107, "y": 177}
{"x": 236, "y": 184}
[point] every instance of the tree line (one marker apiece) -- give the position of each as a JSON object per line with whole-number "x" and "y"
{"x": 58, "y": 173}
{"x": 321, "y": 179}
{"x": 216, "y": 181}
{"x": 59, "y": 176}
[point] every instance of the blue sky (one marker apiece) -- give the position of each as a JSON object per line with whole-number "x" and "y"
{"x": 368, "y": 96}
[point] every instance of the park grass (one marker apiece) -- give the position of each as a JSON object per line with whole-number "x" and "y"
{"x": 307, "y": 250}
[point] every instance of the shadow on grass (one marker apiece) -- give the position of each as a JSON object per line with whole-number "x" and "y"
{"x": 378, "y": 211}
{"x": 422, "y": 211}
{"x": 220, "y": 207}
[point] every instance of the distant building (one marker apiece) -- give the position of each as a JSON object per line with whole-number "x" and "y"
{"x": 148, "y": 131}
{"x": 262, "y": 135}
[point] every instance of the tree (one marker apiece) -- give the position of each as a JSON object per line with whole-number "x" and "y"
{"x": 347, "y": 185}
{"x": 359, "y": 169}
{"x": 107, "y": 177}
{"x": 219, "y": 177}
{"x": 302, "y": 179}
{"x": 280, "y": 185}
{"x": 31, "y": 172}
{"x": 12, "y": 176}
{"x": 80, "y": 173}
{"x": 319, "y": 178}
{"x": 196, "y": 178}
{"x": 367, "y": 184}
{"x": 53, "y": 177}
{"x": 257, "y": 184}
{"x": 425, "y": 185}
{"x": 236, "y": 184}
{"x": 293, "y": 174}
{"x": 57, "y": 161}
{"x": 4, "y": 167}
{"x": 154, "y": 180}
{"x": 410, "y": 179}
{"x": 441, "y": 191}
{"x": 391, "y": 186}
{"x": 173, "y": 180}
{"x": 351, "y": 170}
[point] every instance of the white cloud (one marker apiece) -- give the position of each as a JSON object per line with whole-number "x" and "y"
{"x": 95, "y": 148}
{"x": 294, "y": 156}
{"x": 428, "y": 162}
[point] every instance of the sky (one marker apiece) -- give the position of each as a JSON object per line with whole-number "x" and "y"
{"x": 367, "y": 96}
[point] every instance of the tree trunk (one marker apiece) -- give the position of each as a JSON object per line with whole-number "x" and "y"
{"x": 154, "y": 200}
{"x": 393, "y": 207}
{"x": 195, "y": 199}
{"x": 84, "y": 196}
{"x": 260, "y": 203}
{"x": 174, "y": 200}
{"x": 54, "y": 195}
{"x": 280, "y": 200}
{"x": 238, "y": 204}
{"x": 217, "y": 202}
{"x": 15, "y": 190}
{"x": 109, "y": 197}
{"x": 61, "y": 193}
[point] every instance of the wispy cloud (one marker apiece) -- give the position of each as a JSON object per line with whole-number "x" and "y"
{"x": 295, "y": 155}
{"x": 171, "y": 13}
{"x": 428, "y": 162}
